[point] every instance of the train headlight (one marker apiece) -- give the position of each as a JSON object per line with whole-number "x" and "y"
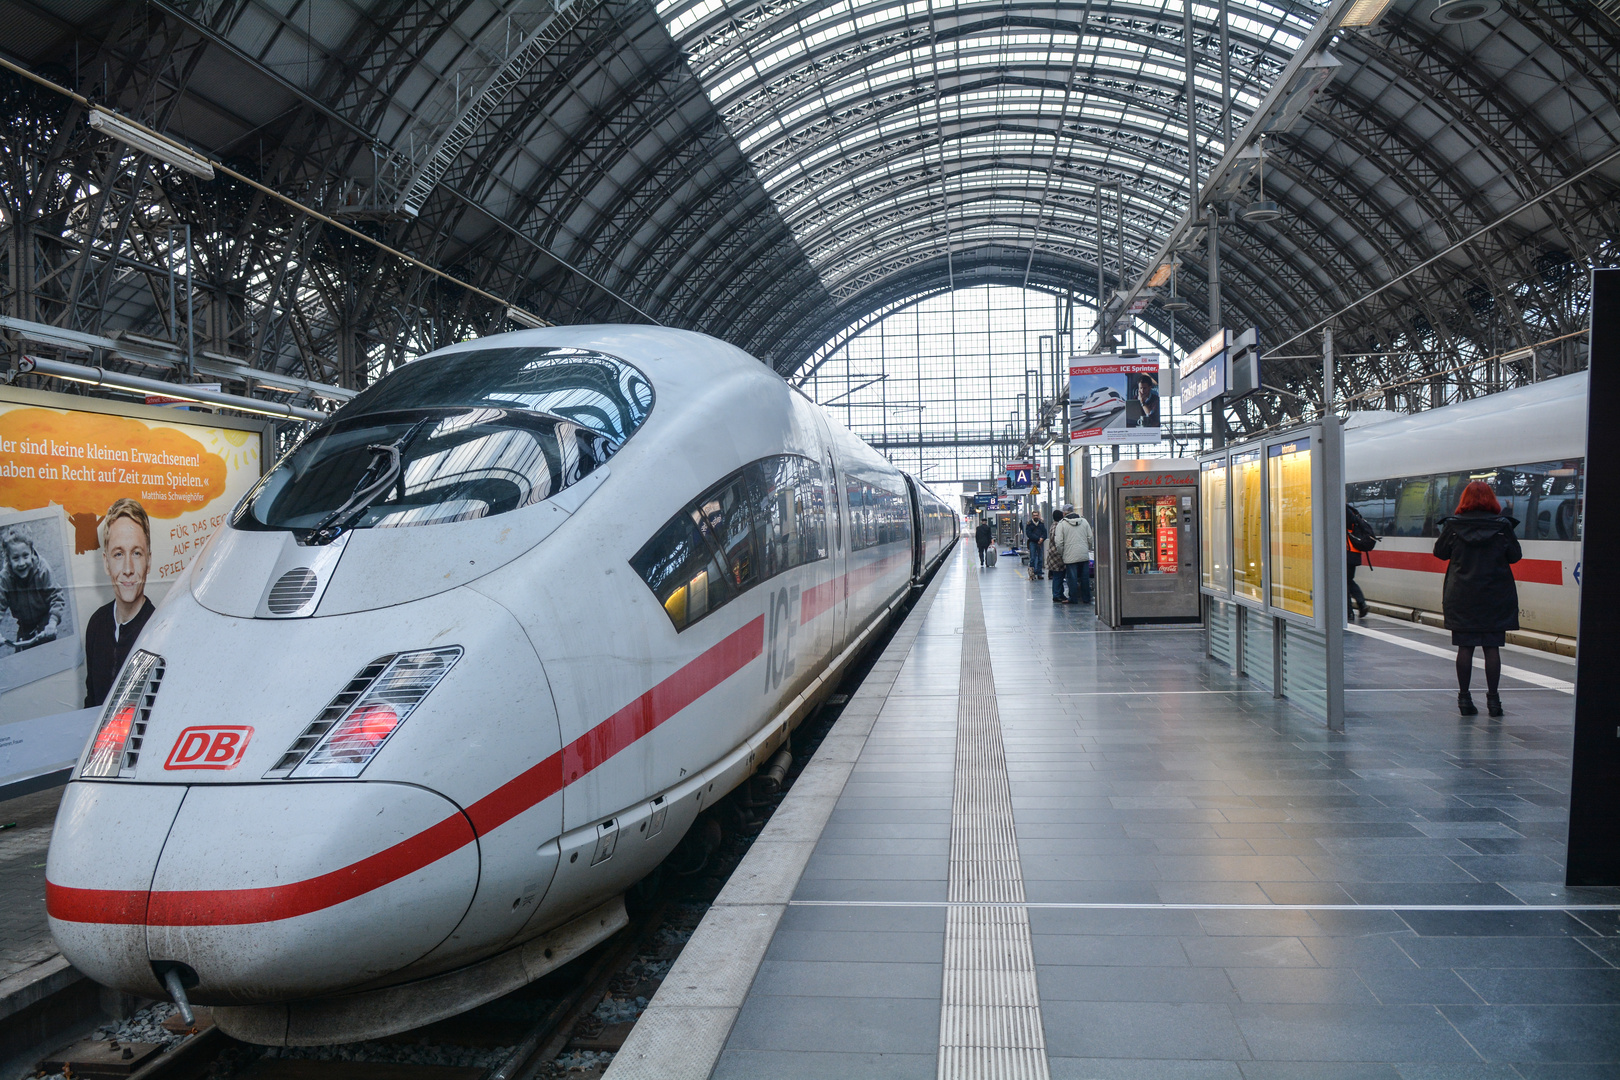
{"x": 117, "y": 743}
{"x": 365, "y": 714}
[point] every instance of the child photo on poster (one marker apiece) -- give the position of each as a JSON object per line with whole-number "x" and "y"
{"x": 37, "y": 619}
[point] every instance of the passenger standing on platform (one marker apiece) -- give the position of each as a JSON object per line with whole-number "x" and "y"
{"x": 1481, "y": 602}
{"x": 1359, "y": 540}
{"x": 1054, "y": 558}
{"x": 1035, "y": 533}
{"x": 1071, "y": 539}
{"x": 981, "y": 536}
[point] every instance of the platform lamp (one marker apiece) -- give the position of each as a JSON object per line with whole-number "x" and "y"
{"x": 150, "y": 142}
{"x": 1262, "y": 209}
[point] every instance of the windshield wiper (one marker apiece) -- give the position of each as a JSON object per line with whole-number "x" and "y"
{"x": 377, "y": 479}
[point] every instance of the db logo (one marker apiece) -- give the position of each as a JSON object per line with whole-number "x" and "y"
{"x": 209, "y": 748}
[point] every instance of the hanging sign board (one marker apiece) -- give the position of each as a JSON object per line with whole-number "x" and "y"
{"x": 1200, "y": 356}
{"x": 983, "y": 500}
{"x": 1020, "y": 477}
{"x": 1113, "y": 399}
{"x": 1204, "y": 384}
{"x": 102, "y": 506}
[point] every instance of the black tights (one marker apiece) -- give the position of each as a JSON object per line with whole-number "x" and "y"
{"x": 1465, "y": 666}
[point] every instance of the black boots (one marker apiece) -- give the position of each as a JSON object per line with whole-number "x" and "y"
{"x": 1493, "y": 703}
{"x": 1465, "y": 703}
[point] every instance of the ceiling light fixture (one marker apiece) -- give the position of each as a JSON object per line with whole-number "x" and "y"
{"x": 149, "y": 142}
{"x": 1262, "y": 209}
{"x": 1363, "y": 13}
{"x": 1449, "y": 12}
{"x": 524, "y": 318}
{"x": 134, "y": 384}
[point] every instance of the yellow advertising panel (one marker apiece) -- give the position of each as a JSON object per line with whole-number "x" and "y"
{"x": 1215, "y": 555}
{"x": 1293, "y": 569}
{"x": 1247, "y": 511}
{"x": 101, "y": 507}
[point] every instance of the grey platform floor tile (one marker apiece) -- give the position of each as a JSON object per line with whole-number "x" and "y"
{"x": 1501, "y": 952}
{"x": 1544, "y": 986}
{"x": 1338, "y": 986}
{"x": 848, "y": 978}
{"x": 1319, "y": 1070}
{"x": 1064, "y": 1068}
{"x": 878, "y": 867}
{"x": 1544, "y": 1033}
{"x": 1109, "y": 951}
{"x": 873, "y": 946}
{"x": 1316, "y": 1032}
{"x": 821, "y": 1065}
{"x": 1141, "y": 1030}
{"x": 1417, "y": 986}
{"x": 1236, "y": 952}
{"x": 1064, "y": 982}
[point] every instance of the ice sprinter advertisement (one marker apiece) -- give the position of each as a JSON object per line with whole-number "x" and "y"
{"x": 1114, "y": 399}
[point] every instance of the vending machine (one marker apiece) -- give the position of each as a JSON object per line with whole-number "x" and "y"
{"x": 1147, "y": 542}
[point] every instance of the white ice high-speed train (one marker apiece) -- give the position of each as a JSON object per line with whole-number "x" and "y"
{"x": 1405, "y": 474}
{"x": 465, "y": 666}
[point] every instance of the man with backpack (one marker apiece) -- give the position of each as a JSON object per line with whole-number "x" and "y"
{"x": 1359, "y": 541}
{"x": 1071, "y": 542}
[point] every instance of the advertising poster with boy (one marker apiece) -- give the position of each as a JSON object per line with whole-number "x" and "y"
{"x": 102, "y": 506}
{"x": 1114, "y": 399}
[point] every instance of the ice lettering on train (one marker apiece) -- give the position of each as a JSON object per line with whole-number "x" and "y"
{"x": 780, "y": 667}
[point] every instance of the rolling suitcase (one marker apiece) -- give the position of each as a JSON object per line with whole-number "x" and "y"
{"x": 990, "y": 556}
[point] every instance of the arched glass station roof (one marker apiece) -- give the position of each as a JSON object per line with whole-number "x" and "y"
{"x": 395, "y": 176}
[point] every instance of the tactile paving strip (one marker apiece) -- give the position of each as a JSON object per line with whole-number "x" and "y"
{"x": 990, "y": 1011}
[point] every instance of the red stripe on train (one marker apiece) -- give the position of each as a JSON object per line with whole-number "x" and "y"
{"x": 234, "y": 907}
{"x": 1534, "y": 571}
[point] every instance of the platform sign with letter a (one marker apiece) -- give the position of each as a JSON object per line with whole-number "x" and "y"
{"x": 1020, "y": 477}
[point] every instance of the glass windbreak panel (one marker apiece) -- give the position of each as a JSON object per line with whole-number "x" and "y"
{"x": 388, "y": 470}
{"x": 597, "y": 392}
{"x": 1215, "y": 537}
{"x": 1246, "y": 516}
{"x": 766, "y": 518}
{"x": 1293, "y": 557}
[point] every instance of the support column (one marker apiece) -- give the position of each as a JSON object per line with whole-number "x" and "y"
{"x": 1594, "y": 797}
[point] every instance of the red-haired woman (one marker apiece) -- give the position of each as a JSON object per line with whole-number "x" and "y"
{"x": 1481, "y": 602}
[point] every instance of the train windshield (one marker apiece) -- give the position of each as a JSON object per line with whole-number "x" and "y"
{"x": 463, "y": 436}
{"x": 429, "y": 467}
{"x": 598, "y": 392}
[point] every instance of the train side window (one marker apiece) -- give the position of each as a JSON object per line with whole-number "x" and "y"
{"x": 1412, "y": 504}
{"x": 767, "y": 517}
{"x": 683, "y": 571}
{"x": 790, "y": 518}
{"x": 727, "y": 517}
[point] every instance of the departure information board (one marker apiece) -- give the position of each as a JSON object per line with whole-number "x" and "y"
{"x": 1215, "y": 551}
{"x": 1248, "y": 511}
{"x": 1293, "y": 567}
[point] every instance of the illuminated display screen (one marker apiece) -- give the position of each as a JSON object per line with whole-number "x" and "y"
{"x": 1215, "y": 548}
{"x": 1293, "y": 570}
{"x": 1246, "y": 524}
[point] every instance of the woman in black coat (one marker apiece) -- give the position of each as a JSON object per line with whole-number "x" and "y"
{"x": 1481, "y": 602}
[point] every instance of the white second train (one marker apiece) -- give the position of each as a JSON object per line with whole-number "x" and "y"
{"x": 464, "y": 667}
{"x": 1406, "y": 473}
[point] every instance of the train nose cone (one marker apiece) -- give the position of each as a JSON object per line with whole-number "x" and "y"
{"x": 98, "y": 875}
{"x": 270, "y": 892}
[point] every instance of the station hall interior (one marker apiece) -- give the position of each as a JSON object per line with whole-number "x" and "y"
{"x": 809, "y": 538}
